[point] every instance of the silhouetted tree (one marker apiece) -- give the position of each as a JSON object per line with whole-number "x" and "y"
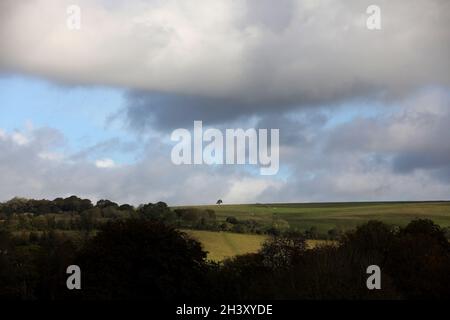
{"x": 156, "y": 211}
{"x": 419, "y": 261}
{"x": 243, "y": 277}
{"x": 142, "y": 259}
{"x": 102, "y": 204}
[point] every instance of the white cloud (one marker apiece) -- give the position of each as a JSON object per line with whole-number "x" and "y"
{"x": 53, "y": 156}
{"x": 105, "y": 163}
{"x": 19, "y": 138}
{"x": 243, "y": 189}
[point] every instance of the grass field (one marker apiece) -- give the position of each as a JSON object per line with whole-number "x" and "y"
{"x": 222, "y": 245}
{"x": 345, "y": 216}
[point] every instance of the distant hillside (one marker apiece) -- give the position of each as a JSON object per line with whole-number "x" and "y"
{"x": 342, "y": 216}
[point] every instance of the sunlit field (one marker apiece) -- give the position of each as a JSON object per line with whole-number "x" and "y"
{"x": 344, "y": 216}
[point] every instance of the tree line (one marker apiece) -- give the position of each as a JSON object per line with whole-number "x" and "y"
{"x": 74, "y": 213}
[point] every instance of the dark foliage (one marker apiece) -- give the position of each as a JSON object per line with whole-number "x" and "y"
{"x": 148, "y": 259}
{"x": 142, "y": 259}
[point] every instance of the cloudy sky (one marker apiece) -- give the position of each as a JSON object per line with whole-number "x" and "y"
{"x": 363, "y": 114}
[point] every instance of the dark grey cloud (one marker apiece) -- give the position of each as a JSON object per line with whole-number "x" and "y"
{"x": 414, "y": 137}
{"x": 112, "y": 145}
{"x": 296, "y": 129}
{"x": 168, "y": 111}
{"x": 264, "y": 13}
{"x": 409, "y": 161}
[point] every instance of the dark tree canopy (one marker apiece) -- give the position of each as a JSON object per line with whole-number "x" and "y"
{"x": 142, "y": 259}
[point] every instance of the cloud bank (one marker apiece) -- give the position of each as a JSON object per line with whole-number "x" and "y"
{"x": 300, "y": 52}
{"x": 363, "y": 115}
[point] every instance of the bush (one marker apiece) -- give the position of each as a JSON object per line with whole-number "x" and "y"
{"x": 232, "y": 220}
{"x": 279, "y": 252}
{"x": 194, "y": 217}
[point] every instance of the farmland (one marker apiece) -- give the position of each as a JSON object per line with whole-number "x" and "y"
{"x": 223, "y": 230}
{"x": 222, "y": 245}
{"x": 343, "y": 216}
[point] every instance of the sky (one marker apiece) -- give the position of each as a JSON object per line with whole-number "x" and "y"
{"x": 363, "y": 114}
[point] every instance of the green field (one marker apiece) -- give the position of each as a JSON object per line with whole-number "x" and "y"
{"x": 222, "y": 245}
{"x": 344, "y": 216}
{"x": 323, "y": 216}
